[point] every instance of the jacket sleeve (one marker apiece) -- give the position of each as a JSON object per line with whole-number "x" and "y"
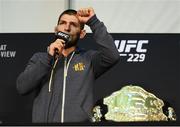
{"x": 107, "y": 54}
{"x": 37, "y": 68}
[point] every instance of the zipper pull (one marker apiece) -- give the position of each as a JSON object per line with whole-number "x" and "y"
{"x": 65, "y": 73}
{"x": 65, "y": 67}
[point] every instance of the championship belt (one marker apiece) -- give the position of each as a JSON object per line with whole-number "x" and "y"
{"x": 132, "y": 103}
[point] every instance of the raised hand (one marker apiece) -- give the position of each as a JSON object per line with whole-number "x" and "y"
{"x": 85, "y": 14}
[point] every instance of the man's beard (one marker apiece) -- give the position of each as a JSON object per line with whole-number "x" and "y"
{"x": 73, "y": 42}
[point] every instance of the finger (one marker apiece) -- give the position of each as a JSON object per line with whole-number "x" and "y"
{"x": 83, "y": 12}
{"x": 53, "y": 48}
{"x": 79, "y": 12}
{"x": 57, "y": 46}
{"x": 60, "y": 46}
{"x": 60, "y": 41}
{"x": 86, "y": 12}
{"x": 58, "y": 50}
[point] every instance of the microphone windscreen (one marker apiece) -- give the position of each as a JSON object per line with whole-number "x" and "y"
{"x": 64, "y": 36}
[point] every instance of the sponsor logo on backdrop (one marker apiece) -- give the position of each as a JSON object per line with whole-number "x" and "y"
{"x": 5, "y": 52}
{"x": 132, "y": 50}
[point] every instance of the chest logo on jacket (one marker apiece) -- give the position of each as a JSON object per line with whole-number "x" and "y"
{"x": 79, "y": 66}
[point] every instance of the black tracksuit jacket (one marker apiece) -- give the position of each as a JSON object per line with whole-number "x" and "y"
{"x": 84, "y": 68}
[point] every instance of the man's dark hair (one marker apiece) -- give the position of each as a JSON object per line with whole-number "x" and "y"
{"x": 70, "y": 12}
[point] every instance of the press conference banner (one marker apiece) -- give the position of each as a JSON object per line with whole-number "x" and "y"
{"x": 147, "y": 60}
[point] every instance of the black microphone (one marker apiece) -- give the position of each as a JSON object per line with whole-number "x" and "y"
{"x": 64, "y": 36}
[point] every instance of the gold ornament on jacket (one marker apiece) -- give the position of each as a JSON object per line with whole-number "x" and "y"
{"x": 79, "y": 66}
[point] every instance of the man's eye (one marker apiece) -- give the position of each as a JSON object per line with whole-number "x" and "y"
{"x": 74, "y": 24}
{"x": 61, "y": 23}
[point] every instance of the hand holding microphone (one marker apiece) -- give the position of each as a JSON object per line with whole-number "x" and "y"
{"x": 56, "y": 48}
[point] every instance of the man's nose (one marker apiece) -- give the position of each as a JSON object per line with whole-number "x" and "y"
{"x": 67, "y": 27}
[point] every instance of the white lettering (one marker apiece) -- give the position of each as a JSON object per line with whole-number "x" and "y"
{"x": 130, "y": 44}
{"x": 8, "y": 54}
{"x": 120, "y": 45}
{"x": 126, "y": 46}
{"x": 140, "y": 44}
{"x": 125, "y": 49}
{"x": 3, "y": 47}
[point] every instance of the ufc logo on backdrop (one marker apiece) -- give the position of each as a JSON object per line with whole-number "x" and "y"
{"x": 127, "y": 48}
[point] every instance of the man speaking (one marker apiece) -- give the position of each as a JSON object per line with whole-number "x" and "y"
{"x": 64, "y": 75}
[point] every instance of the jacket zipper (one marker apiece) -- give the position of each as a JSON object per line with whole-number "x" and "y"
{"x": 66, "y": 66}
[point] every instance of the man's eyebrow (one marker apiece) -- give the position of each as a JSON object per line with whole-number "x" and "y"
{"x": 72, "y": 22}
{"x": 62, "y": 20}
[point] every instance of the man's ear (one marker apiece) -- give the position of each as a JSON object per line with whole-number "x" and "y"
{"x": 82, "y": 34}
